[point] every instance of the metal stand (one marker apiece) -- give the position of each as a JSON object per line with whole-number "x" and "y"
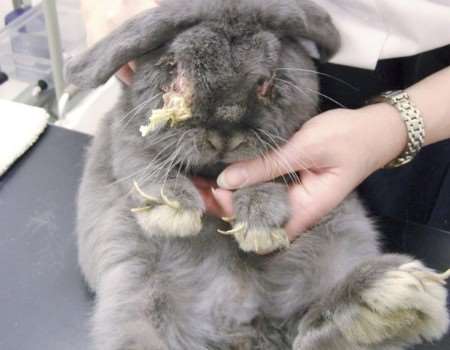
{"x": 55, "y": 47}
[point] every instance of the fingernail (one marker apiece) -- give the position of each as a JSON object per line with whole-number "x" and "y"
{"x": 231, "y": 179}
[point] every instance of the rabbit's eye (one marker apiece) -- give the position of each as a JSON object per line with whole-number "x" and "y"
{"x": 265, "y": 87}
{"x": 168, "y": 61}
{"x": 172, "y": 63}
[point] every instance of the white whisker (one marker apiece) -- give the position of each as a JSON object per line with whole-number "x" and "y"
{"x": 282, "y": 164}
{"x": 152, "y": 162}
{"x": 314, "y": 91}
{"x": 327, "y": 97}
{"x": 304, "y": 167}
{"x": 297, "y": 88}
{"x": 136, "y": 111}
{"x": 321, "y": 74}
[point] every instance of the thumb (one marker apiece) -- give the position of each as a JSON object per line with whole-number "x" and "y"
{"x": 225, "y": 200}
{"x": 277, "y": 163}
{"x": 315, "y": 197}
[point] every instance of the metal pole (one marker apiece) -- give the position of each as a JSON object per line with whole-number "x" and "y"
{"x": 54, "y": 43}
{"x": 17, "y": 4}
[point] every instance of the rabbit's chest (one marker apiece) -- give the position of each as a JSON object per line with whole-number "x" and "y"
{"x": 219, "y": 296}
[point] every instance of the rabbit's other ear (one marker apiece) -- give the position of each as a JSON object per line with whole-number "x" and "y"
{"x": 319, "y": 28}
{"x": 303, "y": 19}
{"x": 140, "y": 35}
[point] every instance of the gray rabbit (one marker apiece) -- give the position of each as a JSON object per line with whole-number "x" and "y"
{"x": 164, "y": 277}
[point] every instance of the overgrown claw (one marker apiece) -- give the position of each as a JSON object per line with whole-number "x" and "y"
{"x": 228, "y": 219}
{"x": 438, "y": 278}
{"x": 256, "y": 245}
{"x": 445, "y": 276}
{"x": 150, "y": 199}
{"x": 171, "y": 203}
{"x": 238, "y": 229}
{"x": 140, "y": 210}
{"x": 260, "y": 241}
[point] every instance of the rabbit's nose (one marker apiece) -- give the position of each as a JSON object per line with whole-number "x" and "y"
{"x": 236, "y": 141}
{"x": 221, "y": 142}
{"x": 215, "y": 140}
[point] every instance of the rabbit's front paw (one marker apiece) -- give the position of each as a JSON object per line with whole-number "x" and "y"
{"x": 261, "y": 213}
{"x": 260, "y": 240}
{"x": 175, "y": 212}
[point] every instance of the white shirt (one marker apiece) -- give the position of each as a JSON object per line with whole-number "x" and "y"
{"x": 377, "y": 29}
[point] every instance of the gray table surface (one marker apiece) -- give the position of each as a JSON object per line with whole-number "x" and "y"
{"x": 44, "y": 304}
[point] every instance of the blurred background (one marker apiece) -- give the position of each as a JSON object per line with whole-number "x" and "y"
{"x": 36, "y": 38}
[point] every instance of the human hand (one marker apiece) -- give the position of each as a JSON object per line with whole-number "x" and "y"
{"x": 333, "y": 153}
{"x": 103, "y": 16}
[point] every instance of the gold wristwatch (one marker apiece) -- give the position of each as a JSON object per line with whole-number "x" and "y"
{"x": 414, "y": 123}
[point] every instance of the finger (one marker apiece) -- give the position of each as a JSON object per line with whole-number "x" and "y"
{"x": 315, "y": 197}
{"x": 224, "y": 199}
{"x": 125, "y": 75}
{"x": 211, "y": 205}
{"x": 206, "y": 189}
{"x": 286, "y": 160}
{"x": 217, "y": 202}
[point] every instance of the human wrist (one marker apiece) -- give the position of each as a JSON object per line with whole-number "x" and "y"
{"x": 387, "y": 135}
{"x": 423, "y": 110}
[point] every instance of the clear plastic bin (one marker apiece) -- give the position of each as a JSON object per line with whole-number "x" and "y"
{"x": 24, "y": 53}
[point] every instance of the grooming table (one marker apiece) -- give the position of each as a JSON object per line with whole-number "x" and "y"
{"x": 44, "y": 304}
{"x": 43, "y": 301}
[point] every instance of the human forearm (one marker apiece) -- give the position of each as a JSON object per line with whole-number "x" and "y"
{"x": 432, "y": 97}
{"x": 388, "y": 132}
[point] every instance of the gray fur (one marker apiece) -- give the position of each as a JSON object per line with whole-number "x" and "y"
{"x": 201, "y": 292}
{"x": 254, "y": 202}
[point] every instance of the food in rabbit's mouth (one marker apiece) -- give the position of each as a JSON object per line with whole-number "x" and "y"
{"x": 177, "y": 109}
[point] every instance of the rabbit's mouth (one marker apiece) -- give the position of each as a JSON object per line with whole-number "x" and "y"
{"x": 229, "y": 148}
{"x": 226, "y": 147}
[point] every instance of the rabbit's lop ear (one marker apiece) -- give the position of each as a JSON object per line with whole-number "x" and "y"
{"x": 140, "y": 35}
{"x": 303, "y": 19}
{"x": 320, "y": 28}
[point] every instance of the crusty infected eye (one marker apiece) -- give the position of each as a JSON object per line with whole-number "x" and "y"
{"x": 180, "y": 84}
{"x": 264, "y": 88}
{"x": 168, "y": 61}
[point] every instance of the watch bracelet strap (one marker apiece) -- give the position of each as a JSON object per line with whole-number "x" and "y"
{"x": 414, "y": 123}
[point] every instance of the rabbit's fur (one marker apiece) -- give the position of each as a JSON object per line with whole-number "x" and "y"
{"x": 164, "y": 278}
